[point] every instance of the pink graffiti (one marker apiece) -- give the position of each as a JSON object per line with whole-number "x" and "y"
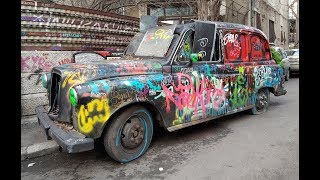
{"x": 194, "y": 93}
{"x": 133, "y": 68}
{"x": 32, "y": 63}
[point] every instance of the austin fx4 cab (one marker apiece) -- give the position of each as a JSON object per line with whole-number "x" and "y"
{"x": 172, "y": 76}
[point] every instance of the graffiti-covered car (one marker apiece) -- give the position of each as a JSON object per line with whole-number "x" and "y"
{"x": 172, "y": 76}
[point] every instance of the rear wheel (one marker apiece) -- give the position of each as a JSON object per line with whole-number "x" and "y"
{"x": 262, "y": 101}
{"x": 129, "y": 134}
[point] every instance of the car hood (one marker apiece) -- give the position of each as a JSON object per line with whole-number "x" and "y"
{"x": 105, "y": 69}
{"x": 74, "y": 74}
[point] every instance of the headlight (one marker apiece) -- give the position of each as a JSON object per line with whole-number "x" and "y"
{"x": 44, "y": 80}
{"x": 73, "y": 97}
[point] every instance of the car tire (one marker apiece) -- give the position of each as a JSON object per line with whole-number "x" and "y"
{"x": 129, "y": 134}
{"x": 262, "y": 102}
{"x": 287, "y": 76}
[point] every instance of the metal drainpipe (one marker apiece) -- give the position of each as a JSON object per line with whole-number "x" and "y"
{"x": 251, "y": 13}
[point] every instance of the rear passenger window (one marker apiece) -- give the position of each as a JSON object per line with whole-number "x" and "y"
{"x": 235, "y": 47}
{"x": 259, "y": 48}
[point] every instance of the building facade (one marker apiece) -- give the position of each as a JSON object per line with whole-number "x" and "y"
{"x": 270, "y": 16}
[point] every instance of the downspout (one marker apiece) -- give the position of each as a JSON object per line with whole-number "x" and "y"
{"x": 251, "y": 13}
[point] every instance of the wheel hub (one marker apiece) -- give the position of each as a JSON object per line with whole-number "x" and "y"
{"x": 132, "y": 133}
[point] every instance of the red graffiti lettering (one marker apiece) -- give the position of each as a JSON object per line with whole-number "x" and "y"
{"x": 66, "y": 61}
{"x": 195, "y": 92}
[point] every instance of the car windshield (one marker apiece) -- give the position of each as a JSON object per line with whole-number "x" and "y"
{"x": 156, "y": 42}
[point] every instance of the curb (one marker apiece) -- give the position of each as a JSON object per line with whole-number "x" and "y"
{"x": 26, "y": 120}
{"x": 39, "y": 149}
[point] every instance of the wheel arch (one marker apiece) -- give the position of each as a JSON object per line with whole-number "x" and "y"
{"x": 157, "y": 117}
{"x": 271, "y": 89}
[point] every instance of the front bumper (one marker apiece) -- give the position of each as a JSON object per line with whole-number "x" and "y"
{"x": 67, "y": 141}
{"x": 280, "y": 92}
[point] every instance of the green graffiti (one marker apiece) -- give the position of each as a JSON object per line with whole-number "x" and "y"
{"x": 194, "y": 57}
{"x": 240, "y": 94}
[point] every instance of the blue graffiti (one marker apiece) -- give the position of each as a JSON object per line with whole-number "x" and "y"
{"x": 106, "y": 85}
{"x": 135, "y": 83}
{"x": 95, "y": 88}
{"x": 153, "y": 87}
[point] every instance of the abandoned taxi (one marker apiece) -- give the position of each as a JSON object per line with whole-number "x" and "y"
{"x": 173, "y": 76}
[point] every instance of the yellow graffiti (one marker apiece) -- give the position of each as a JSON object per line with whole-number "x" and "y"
{"x": 96, "y": 111}
{"x": 184, "y": 115}
{"x": 162, "y": 34}
{"x": 74, "y": 78}
{"x": 241, "y": 70}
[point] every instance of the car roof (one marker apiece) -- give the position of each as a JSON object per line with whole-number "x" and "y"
{"x": 227, "y": 25}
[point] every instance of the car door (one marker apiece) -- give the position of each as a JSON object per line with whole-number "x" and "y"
{"x": 198, "y": 90}
{"x": 239, "y": 67}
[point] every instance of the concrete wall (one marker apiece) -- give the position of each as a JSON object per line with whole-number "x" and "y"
{"x": 32, "y": 92}
{"x": 278, "y": 12}
{"x": 237, "y": 11}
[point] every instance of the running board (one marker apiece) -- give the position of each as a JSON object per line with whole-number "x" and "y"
{"x": 191, "y": 123}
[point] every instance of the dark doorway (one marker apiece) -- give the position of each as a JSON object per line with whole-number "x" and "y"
{"x": 272, "y": 34}
{"x": 258, "y": 21}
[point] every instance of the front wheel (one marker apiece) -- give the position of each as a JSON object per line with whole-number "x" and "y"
{"x": 262, "y": 101}
{"x": 129, "y": 134}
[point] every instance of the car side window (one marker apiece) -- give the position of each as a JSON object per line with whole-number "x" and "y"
{"x": 186, "y": 48}
{"x": 235, "y": 47}
{"x": 259, "y": 48}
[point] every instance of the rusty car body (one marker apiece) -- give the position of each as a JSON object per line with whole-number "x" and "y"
{"x": 174, "y": 76}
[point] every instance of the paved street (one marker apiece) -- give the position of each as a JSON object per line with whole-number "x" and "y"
{"x": 239, "y": 146}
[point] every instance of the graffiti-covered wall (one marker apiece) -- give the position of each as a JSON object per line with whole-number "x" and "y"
{"x": 54, "y": 27}
{"x": 33, "y": 64}
{"x": 51, "y": 34}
